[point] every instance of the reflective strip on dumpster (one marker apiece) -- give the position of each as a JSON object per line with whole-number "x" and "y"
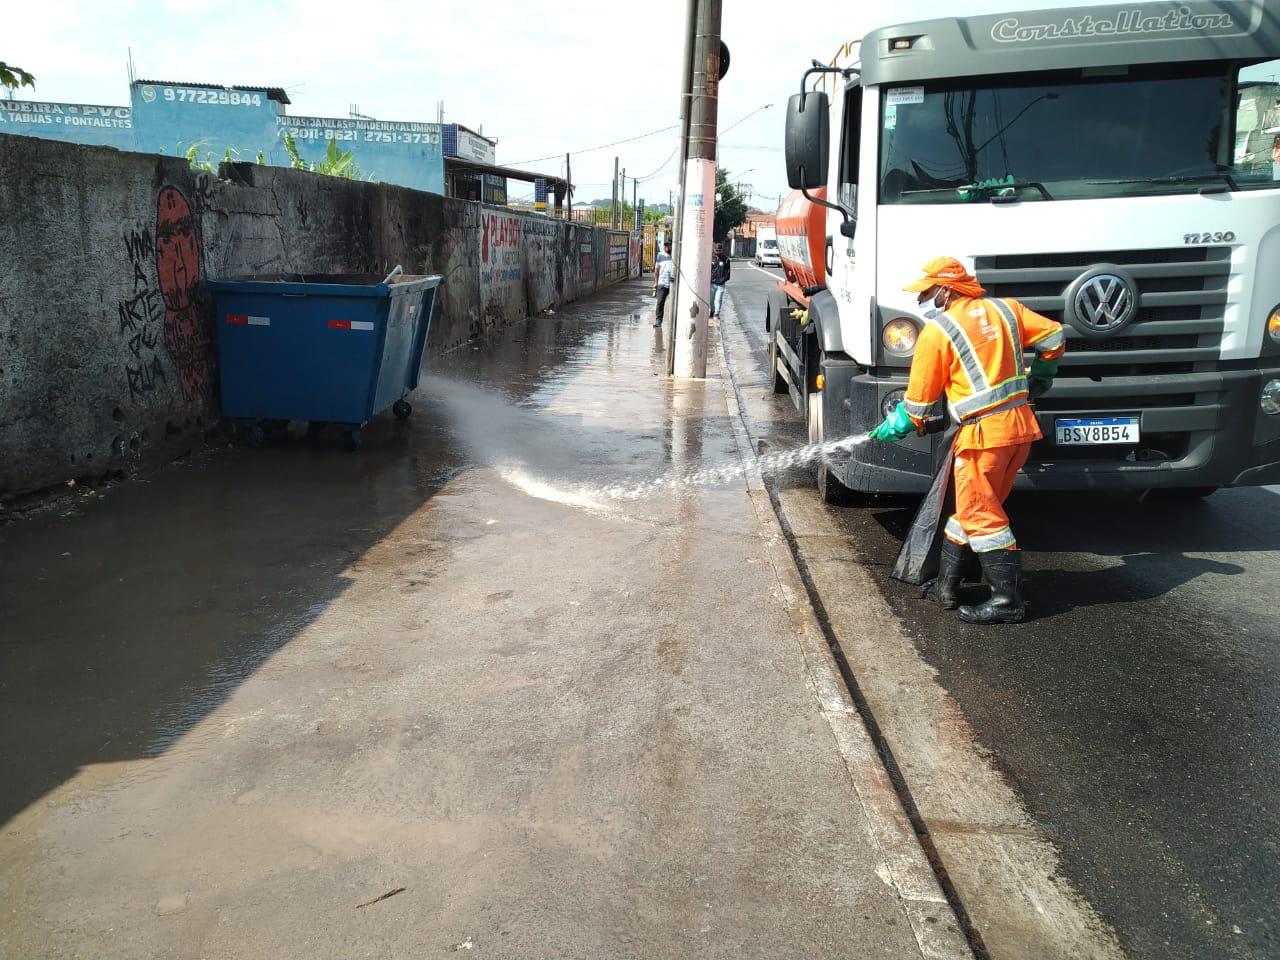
{"x": 244, "y": 318}
{"x": 350, "y": 324}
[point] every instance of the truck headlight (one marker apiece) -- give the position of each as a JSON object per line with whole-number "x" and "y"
{"x": 1273, "y": 325}
{"x": 899, "y": 337}
{"x": 1271, "y": 398}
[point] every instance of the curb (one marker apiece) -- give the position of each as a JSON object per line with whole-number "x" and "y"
{"x": 903, "y": 863}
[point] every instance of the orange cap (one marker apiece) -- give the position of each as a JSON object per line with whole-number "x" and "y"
{"x": 942, "y": 272}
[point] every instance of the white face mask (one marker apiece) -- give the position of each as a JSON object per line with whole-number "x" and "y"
{"x": 930, "y": 308}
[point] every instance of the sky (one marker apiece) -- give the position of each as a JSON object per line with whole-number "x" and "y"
{"x": 542, "y": 76}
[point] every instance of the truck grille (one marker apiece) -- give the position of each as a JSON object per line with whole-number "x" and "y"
{"x": 1182, "y": 296}
{"x": 1162, "y": 365}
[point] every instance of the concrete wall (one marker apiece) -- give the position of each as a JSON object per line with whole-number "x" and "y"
{"x": 108, "y": 353}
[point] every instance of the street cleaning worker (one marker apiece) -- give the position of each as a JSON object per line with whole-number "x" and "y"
{"x": 971, "y": 352}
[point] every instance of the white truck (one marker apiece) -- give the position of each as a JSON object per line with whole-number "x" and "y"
{"x": 1116, "y": 168}
{"x": 767, "y": 248}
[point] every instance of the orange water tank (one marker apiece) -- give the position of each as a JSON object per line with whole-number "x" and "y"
{"x": 802, "y": 239}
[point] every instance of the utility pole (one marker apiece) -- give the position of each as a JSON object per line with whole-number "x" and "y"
{"x": 699, "y": 203}
{"x": 568, "y": 187}
{"x": 622, "y": 200}
{"x": 677, "y": 209}
{"x": 613, "y": 210}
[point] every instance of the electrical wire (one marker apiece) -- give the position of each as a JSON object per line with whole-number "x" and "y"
{"x": 603, "y": 146}
{"x": 670, "y": 157}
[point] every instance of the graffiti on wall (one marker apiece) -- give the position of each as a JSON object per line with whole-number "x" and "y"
{"x": 141, "y": 318}
{"x": 501, "y": 264}
{"x": 187, "y": 334}
{"x": 633, "y": 257}
{"x": 543, "y": 272}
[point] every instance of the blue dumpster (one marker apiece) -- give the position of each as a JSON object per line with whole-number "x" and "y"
{"x": 326, "y": 348}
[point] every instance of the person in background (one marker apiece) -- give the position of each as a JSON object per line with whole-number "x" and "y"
{"x": 663, "y": 271}
{"x": 719, "y": 277}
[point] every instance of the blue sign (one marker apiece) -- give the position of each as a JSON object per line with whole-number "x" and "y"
{"x": 389, "y": 152}
{"x": 73, "y": 122}
{"x": 173, "y": 118}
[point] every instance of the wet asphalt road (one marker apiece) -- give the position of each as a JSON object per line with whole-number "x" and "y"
{"x": 1137, "y": 713}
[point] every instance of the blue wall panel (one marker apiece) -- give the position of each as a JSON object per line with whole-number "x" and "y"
{"x": 73, "y": 122}
{"x": 171, "y": 118}
{"x": 389, "y": 152}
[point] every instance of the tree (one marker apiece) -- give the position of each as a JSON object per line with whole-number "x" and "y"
{"x": 13, "y": 77}
{"x": 731, "y": 208}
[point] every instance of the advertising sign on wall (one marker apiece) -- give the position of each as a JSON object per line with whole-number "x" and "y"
{"x": 471, "y": 147}
{"x": 495, "y": 190}
{"x": 387, "y": 151}
{"x": 76, "y": 122}
{"x": 171, "y": 119}
{"x": 219, "y": 121}
{"x": 619, "y": 254}
{"x": 462, "y": 143}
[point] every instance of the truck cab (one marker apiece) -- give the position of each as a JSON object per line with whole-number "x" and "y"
{"x": 1114, "y": 168}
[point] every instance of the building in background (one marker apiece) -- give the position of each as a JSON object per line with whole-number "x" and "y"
{"x": 742, "y": 240}
{"x": 251, "y": 122}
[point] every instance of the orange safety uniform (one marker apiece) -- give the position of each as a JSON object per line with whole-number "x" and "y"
{"x": 973, "y": 354}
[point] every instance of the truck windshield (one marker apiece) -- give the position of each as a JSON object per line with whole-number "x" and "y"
{"x": 1067, "y": 136}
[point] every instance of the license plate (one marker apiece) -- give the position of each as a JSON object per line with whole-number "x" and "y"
{"x": 1090, "y": 430}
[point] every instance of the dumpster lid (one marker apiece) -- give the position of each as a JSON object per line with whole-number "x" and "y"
{"x": 331, "y": 284}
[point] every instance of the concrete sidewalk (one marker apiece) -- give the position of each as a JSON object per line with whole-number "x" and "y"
{"x": 565, "y": 726}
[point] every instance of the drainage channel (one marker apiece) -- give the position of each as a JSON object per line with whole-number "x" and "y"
{"x": 882, "y": 747}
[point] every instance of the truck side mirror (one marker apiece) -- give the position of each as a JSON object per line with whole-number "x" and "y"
{"x": 807, "y": 140}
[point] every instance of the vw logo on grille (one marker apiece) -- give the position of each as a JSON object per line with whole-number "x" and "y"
{"x": 1102, "y": 303}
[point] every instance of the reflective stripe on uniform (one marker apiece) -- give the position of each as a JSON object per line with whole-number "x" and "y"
{"x": 1050, "y": 342}
{"x": 917, "y": 410}
{"x": 979, "y": 402}
{"x": 1000, "y": 540}
{"x": 964, "y": 350}
{"x": 1011, "y": 405}
{"x": 956, "y": 532}
{"x": 1011, "y": 324}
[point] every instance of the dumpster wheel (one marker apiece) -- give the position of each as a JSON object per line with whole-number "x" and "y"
{"x": 401, "y": 409}
{"x": 353, "y": 439}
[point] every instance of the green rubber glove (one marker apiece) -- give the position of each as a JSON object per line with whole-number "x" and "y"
{"x": 1041, "y": 375}
{"x": 897, "y": 426}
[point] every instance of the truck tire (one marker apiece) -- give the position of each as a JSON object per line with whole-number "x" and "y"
{"x": 780, "y": 384}
{"x": 773, "y": 306}
{"x": 830, "y": 489}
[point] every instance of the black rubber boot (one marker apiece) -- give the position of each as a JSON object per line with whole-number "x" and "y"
{"x": 946, "y": 589}
{"x": 1004, "y": 572}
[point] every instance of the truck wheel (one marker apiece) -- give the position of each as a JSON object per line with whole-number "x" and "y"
{"x": 402, "y": 409}
{"x": 773, "y": 307}
{"x": 780, "y": 384}
{"x": 830, "y": 489}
